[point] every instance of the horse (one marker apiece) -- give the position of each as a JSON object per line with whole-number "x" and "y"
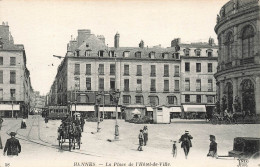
{"x": 76, "y": 135}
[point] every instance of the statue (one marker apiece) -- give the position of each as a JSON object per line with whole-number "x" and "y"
{"x": 218, "y": 18}
{"x": 222, "y": 12}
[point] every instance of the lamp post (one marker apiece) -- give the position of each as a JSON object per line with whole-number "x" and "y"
{"x": 116, "y": 96}
{"x": 98, "y": 98}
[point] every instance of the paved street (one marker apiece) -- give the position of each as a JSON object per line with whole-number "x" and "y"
{"x": 40, "y": 145}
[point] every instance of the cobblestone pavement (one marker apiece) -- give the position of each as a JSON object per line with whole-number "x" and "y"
{"x": 40, "y": 145}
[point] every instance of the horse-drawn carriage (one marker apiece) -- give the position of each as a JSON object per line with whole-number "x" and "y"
{"x": 69, "y": 132}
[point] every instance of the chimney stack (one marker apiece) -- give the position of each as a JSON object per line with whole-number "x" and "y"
{"x": 175, "y": 42}
{"x": 83, "y": 34}
{"x": 141, "y": 44}
{"x": 116, "y": 40}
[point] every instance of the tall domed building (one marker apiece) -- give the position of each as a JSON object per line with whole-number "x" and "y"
{"x": 238, "y": 72}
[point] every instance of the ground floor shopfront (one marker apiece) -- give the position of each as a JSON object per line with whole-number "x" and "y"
{"x": 14, "y": 109}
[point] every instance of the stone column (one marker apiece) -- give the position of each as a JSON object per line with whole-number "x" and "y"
{"x": 257, "y": 95}
{"x": 221, "y": 90}
{"x": 235, "y": 93}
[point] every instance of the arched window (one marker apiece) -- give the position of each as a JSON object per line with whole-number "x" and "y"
{"x": 229, "y": 43}
{"x": 248, "y": 42}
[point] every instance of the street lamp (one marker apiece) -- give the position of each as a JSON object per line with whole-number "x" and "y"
{"x": 116, "y": 96}
{"x": 98, "y": 98}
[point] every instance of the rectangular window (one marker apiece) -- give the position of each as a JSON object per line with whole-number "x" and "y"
{"x": 138, "y": 54}
{"x": 153, "y": 85}
{"x": 210, "y": 85}
{"x": 126, "y": 69}
{"x": 101, "y": 69}
{"x": 139, "y": 85}
{"x": 77, "y": 83}
{"x": 210, "y": 67}
{"x": 152, "y": 55}
{"x": 112, "y": 69}
{"x": 197, "y": 52}
{"x": 153, "y": 71}
{"x": 1, "y": 76}
{"x": 210, "y": 99}
{"x": 1, "y": 94}
{"x": 166, "y": 70}
{"x": 176, "y": 71}
{"x": 126, "y": 84}
{"x": 88, "y": 69}
{"x": 1, "y": 61}
{"x": 170, "y": 99}
{"x": 126, "y": 54}
{"x": 198, "y": 98}
{"x": 153, "y": 100}
{"x": 187, "y": 98}
{"x": 139, "y": 70}
{"x": 187, "y": 84}
{"x": 87, "y": 53}
{"x": 138, "y": 99}
{"x": 177, "y": 85}
{"x": 187, "y": 52}
{"x": 209, "y": 54}
{"x": 187, "y": 67}
{"x": 198, "y": 85}
{"x": 88, "y": 83}
{"x": 198, "y": 67}
{"x": 101, "y": 84}
{"x": 166, "y": 85}
{"x": 177, "y": 56}
{"x": 101, "y": 53}
{"x": 77, "y": 69}
{"x": 126, "y": 99}
{"x": 12, "y": 93}
{"x": 12, "y": 61}
{"x": 112, "y": 84}
{"x": 12, "y": 77}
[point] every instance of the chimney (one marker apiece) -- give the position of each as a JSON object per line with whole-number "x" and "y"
{"x": 175, "y": 42}
{"x": 116, "y": 40}
{"x": 83, "y": 34}
{"x": 4, "y": 33}
{"x": 141, "y": 44}
{"x": 211, "y": 41}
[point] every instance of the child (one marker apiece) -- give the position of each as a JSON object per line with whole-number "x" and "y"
{"x": 174, "y": 149}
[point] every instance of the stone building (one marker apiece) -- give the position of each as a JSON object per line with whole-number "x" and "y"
{"x": 238, "y": 73}
{"x": 15, "y": 83}
{"x": 145, "y": 76}
{"x": 198, "y": 65}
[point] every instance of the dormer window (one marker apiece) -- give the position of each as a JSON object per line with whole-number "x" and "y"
{"x": 77, "y": 53}
{"x": 101, "y": 53}
{"x": 112, "y": 53}
{"x": 138, "y": 54}
{"x": 186, "y": 52}
{"x": 126, "y": 54}
{"x": 165, "y": 55}
{"x": 87, "y": 53}
{"x": 197, "y": 52}
{"x": 209, "y": 52}
{"x": 152, "y": 55}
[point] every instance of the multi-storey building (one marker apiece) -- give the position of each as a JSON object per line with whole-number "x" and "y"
{"x": 145, "y": 76}
{"x": 198, "y": 64}
{"x": 15, "y": 84}
{"x": 238, "y": 75}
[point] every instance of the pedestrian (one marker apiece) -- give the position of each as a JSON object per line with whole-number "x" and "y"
{"x": 23, "y": 124}
{"x": 141, "y": 140}
{"x": 213, "y": 147}
{"x": 46, "y": 121}
{"x": 82, "y": 123}
{"x": 174, "y": 149}
{"x": 16, "y": 115}
{"x": 12, "y": 145}
{"x": 1, "y": 122}
{"x": 145, "y": 133}
{"x": 186, "y": 143}
{"x": 1, "y": 145}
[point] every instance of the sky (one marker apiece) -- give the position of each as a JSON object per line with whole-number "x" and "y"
{"x": 45, "y": 27}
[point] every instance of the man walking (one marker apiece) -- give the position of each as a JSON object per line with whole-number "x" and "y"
{"x": 145, "y": 133}
{"x": 141, "y": 140}
{"x": 212, "y": 147}
{"x": 12, "y": 145}
{"x": 186, "y": 142}
{"x": 82, "y": 123}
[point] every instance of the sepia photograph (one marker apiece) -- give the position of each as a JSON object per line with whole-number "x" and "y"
{"x": 129, "y": 83}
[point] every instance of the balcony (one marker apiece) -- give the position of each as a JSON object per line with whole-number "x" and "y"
{"x": 176, "y": 74}
{"x": 246, "y": 61}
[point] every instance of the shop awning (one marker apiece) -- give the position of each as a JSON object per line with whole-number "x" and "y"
{"x": 175, "y": 109}
{"x": 9, "y": 107}
{"x": 110, "y": 109}
{"x": 84, "y": 108}
{"x": 135, "y": 111}
{"x": 149, "y": 108}
{"x": 58, "y": 107}
{"x": 194, "y": 108}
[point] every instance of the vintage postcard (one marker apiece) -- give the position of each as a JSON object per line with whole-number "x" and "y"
{"x": 130, "y": 83}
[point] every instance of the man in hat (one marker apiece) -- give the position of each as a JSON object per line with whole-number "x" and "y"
{"x": 212, "y": 147}
{"x": 186, "y": 142}
{"x": 141, "y": 140}
{"x": 145, "y": 133}
{"x": 12, "y": 145}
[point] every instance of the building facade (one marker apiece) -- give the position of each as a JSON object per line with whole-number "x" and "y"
{"x": 145, "y": 76}
{"x": 238, "y": 74}
{"x": 15, "y": 83}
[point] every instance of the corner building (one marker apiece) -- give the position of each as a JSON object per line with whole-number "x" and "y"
{"x": 238, "y": 73}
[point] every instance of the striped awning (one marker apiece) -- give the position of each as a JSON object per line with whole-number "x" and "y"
{"x": 9, "y": 107}
{"x": 194, "y": 108}
{"x": 110, "y": 109}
